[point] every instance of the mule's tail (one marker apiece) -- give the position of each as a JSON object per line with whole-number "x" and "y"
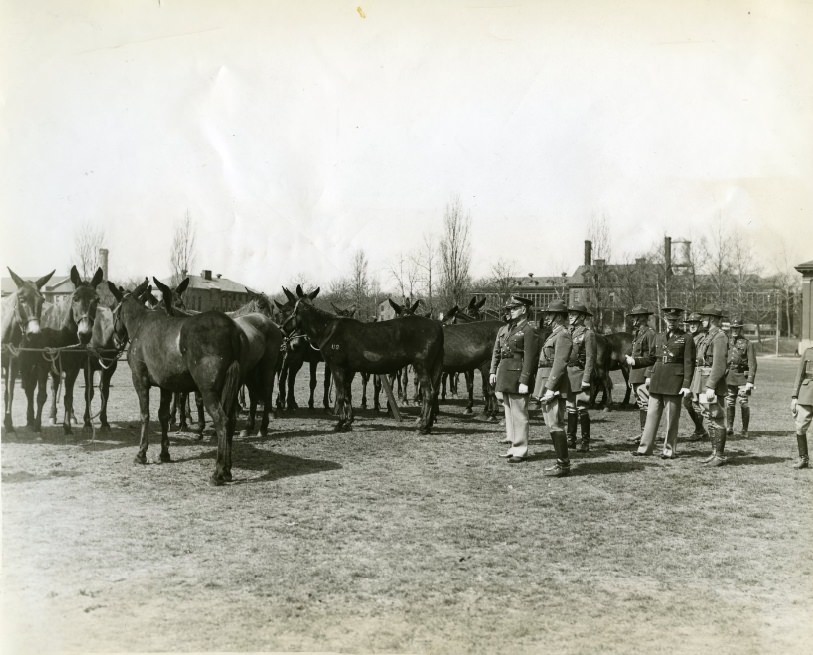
{"x": 231, "y": 386}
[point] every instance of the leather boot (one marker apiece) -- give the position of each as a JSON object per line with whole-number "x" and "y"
{"x": 572, "y": 427}
{"x": 745, "y": 417}
{"x": 699, "y": 431}
{"x": 584, "y": 420}
{"x": 713, "y": 437}
{"x": 720, "y": 459}
{"x": 804, "y": 459}
{"x": 562, "y": 467}
{"x": 729, "y": 419}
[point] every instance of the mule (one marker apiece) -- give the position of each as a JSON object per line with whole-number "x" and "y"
{"x": 183, "y": 353}
{"x": 611, "y": 350}
{"x": 21, "y": 326}
{"x": 350, "y": 346}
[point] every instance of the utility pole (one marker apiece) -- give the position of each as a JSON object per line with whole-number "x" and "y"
{"x": 777, "y": 323}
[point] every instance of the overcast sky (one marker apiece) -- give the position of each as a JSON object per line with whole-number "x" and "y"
{"x": 297, "y": 132}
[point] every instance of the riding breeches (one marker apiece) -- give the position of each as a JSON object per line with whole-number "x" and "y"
{"x": 516, "y": 422}
{"x": 713, "y": 412}
{"x": 554, "y": 413}
{"x": 736, "y": 395}
{"x": 641, "y": 395}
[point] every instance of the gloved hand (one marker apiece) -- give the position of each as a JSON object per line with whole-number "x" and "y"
{"x": 523, "y": 388}
{"x": 749, "y": 387}
{"x": 793, "y": 407}
{"x": 685, "y": 391}
{"x": 646, "y": 382}
{"x": 585, "y": 386}
{"x": 710, "y": 396}
{"x": 547, "y": 396}
{"x": 492, "y": 379}
{"x": 630, "y": 360}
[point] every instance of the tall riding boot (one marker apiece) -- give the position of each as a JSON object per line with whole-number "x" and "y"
{"x": 584, "y": 421}
{"x": 745, "y": 416}
{"x": 720, "y": 459}
{"x": 713, "y": 437}
{"x": 729, "y": 419}
{"x": 562, "y": 466}
{"x": 804, "y": 460}
{"x": 572, "y": 426}
{"x": 699, "y": 431}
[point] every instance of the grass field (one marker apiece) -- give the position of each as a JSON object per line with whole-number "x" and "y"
{"x": 382, "y": 540}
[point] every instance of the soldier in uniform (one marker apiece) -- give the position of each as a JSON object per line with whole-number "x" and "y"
{"x": 580, "y": 371}
{"x": 552, "y": 384}
{"x": 512, "y": 365}
{"x": 801, "y": 406}
{"x": 709, "y": 381}
{"x": 742, "y": 369}
{"x": 695, "y": 329}
{"x": 671, "y": 377}
{"x": 643, "y": 350}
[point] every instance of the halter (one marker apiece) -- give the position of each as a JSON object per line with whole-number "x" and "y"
{"x": 116, "y": 321}
{"x": 22, "y": 320}
{"x": 287, "y": 340}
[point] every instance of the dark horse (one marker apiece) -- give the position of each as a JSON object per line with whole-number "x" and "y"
{"x": 182, "y": 354}
{"x": 350, "y": 346}
{"x": 21, "y": 328}
{"x": 610, "y": 352}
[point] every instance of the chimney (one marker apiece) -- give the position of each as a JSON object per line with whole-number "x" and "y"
{"x": 599, "y": 263}
{"x": 103, "y": 259}
{"x": 588, "y": 252}
{"x": 206, "y": 274}
{"x": 640, "y": 261}
{"x": 667, "y": 252}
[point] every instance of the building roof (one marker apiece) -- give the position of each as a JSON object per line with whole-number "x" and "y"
{"x": 217, "y": 282}
{"x": 806, "y": 267}
{"x": 9, "y": 287}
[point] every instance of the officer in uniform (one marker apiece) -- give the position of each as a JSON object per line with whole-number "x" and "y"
{"x": 552, "y": 384}
{"x": 672, "y": 372}
{"x": 709, "y": 381}
{"x": 643, "y": 350}
{"x": 801, "y": 406}
{"x": 694, "y": 327}
{"x": 742, "y": 369}
{"x": 512, "y": 365}
{"x": 580, "y": 371}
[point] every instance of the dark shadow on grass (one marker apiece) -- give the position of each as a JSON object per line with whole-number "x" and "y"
{"x": 607, "y": 468}
{"x": 744, "y": 459}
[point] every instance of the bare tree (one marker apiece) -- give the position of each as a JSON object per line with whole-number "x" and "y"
{"x": 744, "y": 274}
{"x": 788, "y": 283}
{"x": 182, "y": 250}
{"x": 405, "y": 273}
{"x": 88, "y": 239}
{"x": 716, "y": 257}
{"x": 597, "y": 275}
{"x": 455, "y": 252}
{"x": 359, "y": 280}
{"x": 426, "y": 259}
{"x": 503, "y": 280}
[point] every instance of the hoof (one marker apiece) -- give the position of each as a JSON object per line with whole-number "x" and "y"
{"x": 468, "y": 410}
{"x": 310, "y": 405}
{"x": 227, "y": 476}
{"x": 183, "y": 427}
{"x": 214, "y": 481}
{"x": 66, "y": 429}
{"x": 51, "y": 422}
{"x": 164, "y": 458}
{"x": 140, "y": 459}
{"x": 243, "y": 433}
{"x": 199, "y": 435}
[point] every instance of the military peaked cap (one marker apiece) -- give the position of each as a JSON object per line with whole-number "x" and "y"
{"x": 672, "y": 312}
{"x": 580, "y": 308}
{"x": 694, "y": 317}
{"x": 737, "y": 322}
{"x": 556, "y": 307}
{"x": 639, "y": 310}
{"x": 711, "y": 310}
{"x": 518, "y": 301}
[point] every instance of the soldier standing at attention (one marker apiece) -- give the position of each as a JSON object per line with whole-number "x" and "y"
{"x": 671, "y": 377}
{"x": 512, "y": 364}
{"x": 742, "y": 369}
{"x": 643, "y": 350}
{"x": 553, "y": 384}
{"x": 801, "y": 406}
{"x": 580, "y": 372}
{"x": 693, "y": 323}
{"x": 708, "y": 383}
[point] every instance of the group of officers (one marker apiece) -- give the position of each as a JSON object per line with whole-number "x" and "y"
{"x": 701, "y": 368}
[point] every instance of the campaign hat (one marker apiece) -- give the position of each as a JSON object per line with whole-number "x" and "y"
{"x": 557, "y": 306}
{"x": 711, "y": 310}
{"x": 580, "y": 308}
{"x": 639, "y": 310}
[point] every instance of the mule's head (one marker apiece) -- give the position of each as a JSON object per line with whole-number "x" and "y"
{"x": 475, "y": 308}
{"x": 450, "y": 317}
{"x": 172, "y": 298}
{"x": 406, "y": 309}
{"x": 84, "y": 302}
{"x": 345, "y": 313}
{"x": 28, "y": 303}
{"x": 262, "y": 302}
{"x": 119, "y": 332}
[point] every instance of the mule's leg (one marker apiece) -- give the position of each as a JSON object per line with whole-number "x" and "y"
{"x": 312, "y": 383}
{"x": 55, "y": 380}
{"x": 281, "y": 384}
{"x": 143, "y": 392}
{"x": 201, "y": 415}
{"x": 348, "y": 398}
{"x": 292, "y": 371}
{"x": 223, "y": 462}
{"x": 104, "y": 393}
{"x": 42, "y": 395}
{"x": 365, "y": 378}
{"x": 163, "y": 418}
{"x": 416, "y": 389}
{"x": 8, "y": 394}
{"x": 341, "y": 409}
{"x": 28, "y": 381}
{"x": 70, "y": 379}
{"x": 425, "y": 421}
{"x": 626, "y": 373}
{"x": 88, "y": 375}
{"x": 469, "y": 376}
{"x": 252, "y": 410}
{"x": 377, "y": 392}
{"x": 443, "y": 380}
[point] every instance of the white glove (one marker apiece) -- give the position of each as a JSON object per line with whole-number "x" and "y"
{"x": 710, "y": 396}
{"x": 585, "y": 386}
{"x": 630, "y": 360}
{"x": 646, "y": 382}
{"x": 748, "y": 387}
{"x": 492, "y": 379}
{"x": 547, "y": 396}
{"x": 523, "y": 388}
{"x": 793, "y": 408}
{"x": 685, "y": 392}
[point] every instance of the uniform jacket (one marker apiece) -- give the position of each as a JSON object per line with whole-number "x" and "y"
{"x": 643, "y": 351}
{"x": 742, "y": 362}
{"x": 673, "y": 367}
{"x": 553, "y": 359}
{"x": 582, "y": 356}
{"x": 514, "y": 356}
{"x": 803, "y": 387}
{"x": 712, "y": 356}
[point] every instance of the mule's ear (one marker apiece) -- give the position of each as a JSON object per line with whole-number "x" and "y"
{"x": 414, "y": 307}
{"x": 351, "y": 311}
{"x": 166, "y": 292}
{"x": 182, "y": 286}
{"x": 299, "y": 292}
{"x": 289, "y": 295}
{"x": 336, "y": 310}
{"x": 141, "y": 288}
{"x": 398, "y": 309}
{"x": 279, "y": 305}
{"x": 313, "y": 293}
{"x": 480, "y": 304}
{"x": 98, "y": 276}
{"x": 17, "y": 279}
{"x": 117, "y": 294}
{"x": 472, "y": 302}
{"x": 42, "y": 281}
{"x": 75, "y": 277}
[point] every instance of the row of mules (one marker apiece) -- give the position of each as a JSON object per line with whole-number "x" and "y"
{"x": 350, "y": 346}
{"x": 181, "y": 353}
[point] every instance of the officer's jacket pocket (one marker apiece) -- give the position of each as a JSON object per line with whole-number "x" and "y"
{"x": 513, "y": 365}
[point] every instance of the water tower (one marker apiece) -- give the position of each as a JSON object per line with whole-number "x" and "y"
{"x": 679, "y": 255}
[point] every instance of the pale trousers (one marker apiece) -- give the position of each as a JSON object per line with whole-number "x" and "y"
{"x": 516, "y": 422}
{"x": 804, "y": 414}
{"x": 660, "y": 404}
{"x": 641, "y": 394}
{"x": 713, "y": 412}
{"x": 554, "y": 412}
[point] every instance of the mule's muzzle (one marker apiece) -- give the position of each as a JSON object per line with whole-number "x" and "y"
{"x": 32, "y": 326}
